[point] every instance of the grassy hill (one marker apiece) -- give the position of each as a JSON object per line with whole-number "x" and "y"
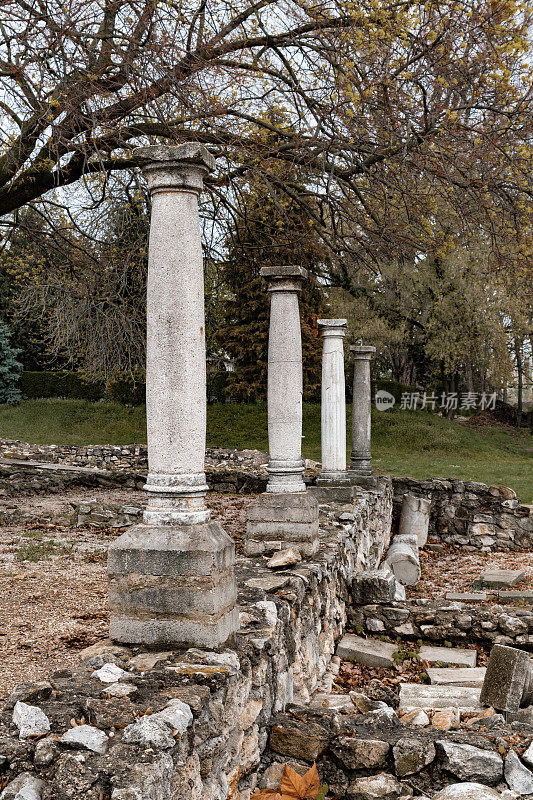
{"x": 411, "y": 443}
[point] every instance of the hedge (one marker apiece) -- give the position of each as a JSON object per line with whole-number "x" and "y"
{"x": 126, "y": 391}
{"x": 60, "y": 384}
{"x": 217, "y": 386}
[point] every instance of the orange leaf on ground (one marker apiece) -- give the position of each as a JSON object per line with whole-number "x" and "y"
{"x": 299, "y": 787}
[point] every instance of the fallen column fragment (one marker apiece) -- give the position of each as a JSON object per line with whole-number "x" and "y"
{"x": 414, "y": 520}
{"x": 403, "y": 559}
{"x": 508, "y": 682}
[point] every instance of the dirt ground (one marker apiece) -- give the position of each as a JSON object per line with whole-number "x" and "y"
{"x": 53, "y": 583}
{"x": 455, "y": 570}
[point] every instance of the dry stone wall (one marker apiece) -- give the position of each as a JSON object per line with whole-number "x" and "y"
{"x": 442, "y": 620}
{"x": 191, "y": 725}
{"x": 471, "y": 514}
{"x": 366, "y": 756}
{"x": 116, "y": 457}
{"x": 463, "y": 513}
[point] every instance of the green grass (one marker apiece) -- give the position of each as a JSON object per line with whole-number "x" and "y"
{"x": 412, "y": 443}
{"x": 37, "y": 549}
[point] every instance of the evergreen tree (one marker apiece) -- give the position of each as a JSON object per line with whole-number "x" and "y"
{"x": 30, "y": 249}
{"x": 270, "y": 231}
{"x": 10, "y": 368}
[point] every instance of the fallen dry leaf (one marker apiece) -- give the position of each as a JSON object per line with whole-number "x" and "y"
{"x": 266, "y": 794}
{"x": 299, "y": 787}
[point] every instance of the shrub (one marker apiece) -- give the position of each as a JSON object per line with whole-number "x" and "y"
{"x": 10, "y": 369}
{"x": 60, "y": 384}
{"x": 392, "y": 387}
{"x": 127, "y": 391}
{"x": 217, "y": 386}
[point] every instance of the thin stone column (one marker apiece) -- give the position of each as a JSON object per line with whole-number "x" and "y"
{"x": 285, "y": 380}
{"x": 171, "y": 578}
{"x": 333, "y": 408}
{"x": 286, "y": 515}
{"x": 360, "y": 459}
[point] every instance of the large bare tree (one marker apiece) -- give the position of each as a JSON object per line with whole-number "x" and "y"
{"x": 398, "y": 126}
{"x": 376, "y": 102}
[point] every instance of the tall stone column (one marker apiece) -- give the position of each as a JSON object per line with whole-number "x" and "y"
{"x": 360, "y": 459}
{"x": 285, "y": 380}
{"x": 333, "y": 408}
{"x": 171, "y": 577}
{"x": 286, "y": 515}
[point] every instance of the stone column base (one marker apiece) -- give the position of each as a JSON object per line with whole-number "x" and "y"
{"x": 341, "y": 487}
{"x": 173, "y": 585}
{"x": 366, "y": 480}
{"x": 277, "y": 521}
{"x": 332, "y": 493}
{"x": 333, "y": 487}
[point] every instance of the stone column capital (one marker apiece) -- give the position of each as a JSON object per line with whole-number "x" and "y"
{"x": 175, "y": 168}
{"x": 333, "y": 327}
{"x": 284, "y": 278}
{"x": 362, "y": 352}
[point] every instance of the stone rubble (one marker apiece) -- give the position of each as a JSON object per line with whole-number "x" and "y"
{"x": 370, "y": 652}
{"x": 284, "y": 558}
{"x": 445, "y": 676}
{"x": 30, "y": 720}
{"x": 467, "y": 791}
{"x": 86, "y": 737}
{"x": 403, "y": 559}
{"x": 418, "y": 695}
{"x": 471, "y": 763}
{"x": 412, "y": 755}
{"x": 25, "y": 787}
{"x": 111, "y": 673}
{"x": 508, "y": 681}
{"x": 498, "y": 578}
{"x": 448, "y": 655}
{"x": 518, "y": 777}
{"x": 375, "y": 586}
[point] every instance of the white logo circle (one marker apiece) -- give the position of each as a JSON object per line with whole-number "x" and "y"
{"x": 384, "y": 400}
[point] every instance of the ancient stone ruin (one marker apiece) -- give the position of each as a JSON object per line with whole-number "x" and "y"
{"x": 286, "y": 514}
{"x": 221, "y": 669}
{"x": 171, "y": 578}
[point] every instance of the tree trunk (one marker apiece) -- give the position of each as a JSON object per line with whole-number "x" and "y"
{"x": 520, "y": 387}
{"x": 469, "y": 377}
{"x": 453, "y": 388}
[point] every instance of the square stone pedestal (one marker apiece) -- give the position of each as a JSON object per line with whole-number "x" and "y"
{"x": 341, "y": 488}
{"x": 364, "y": 481}
{"x": 276, "y": 521}
{"x": 333, "y": 489}
{"x": 173, "y": 585}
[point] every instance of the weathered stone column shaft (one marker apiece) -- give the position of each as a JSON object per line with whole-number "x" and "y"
{"x": 171, "y": 578}
{"x": 333, "y": 409}
{"x": 285, "y": 381}
{"x": 175, "y": 369}
{"x": 360, "y": 460}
